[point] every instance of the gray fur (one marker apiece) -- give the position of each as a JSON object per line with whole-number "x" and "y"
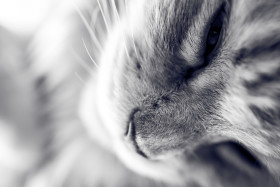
{"x": 205, "y": 124}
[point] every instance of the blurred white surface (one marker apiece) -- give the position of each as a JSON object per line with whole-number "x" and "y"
{"x": 24, "y": 16}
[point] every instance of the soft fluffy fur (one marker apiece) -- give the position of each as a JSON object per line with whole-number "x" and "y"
{"x": 125, "y": 80}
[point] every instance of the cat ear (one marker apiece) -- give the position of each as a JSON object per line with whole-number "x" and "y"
{"x": 234, "y": 165}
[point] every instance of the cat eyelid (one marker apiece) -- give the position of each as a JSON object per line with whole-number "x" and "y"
{"x": 215, "y": 24}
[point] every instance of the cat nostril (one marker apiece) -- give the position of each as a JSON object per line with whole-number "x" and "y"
{"x": 130, "y": 129}
{"x": 130, "y": 134}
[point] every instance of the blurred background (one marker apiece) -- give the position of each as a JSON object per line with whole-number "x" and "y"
{"x": 42, "y": 140}
{"x": 18, "y": 21}
{"x": 24, "y": 16}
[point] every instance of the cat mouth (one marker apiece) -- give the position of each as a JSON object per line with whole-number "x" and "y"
{"x": 226, "y": 154}
{"x": 225, "y": 150}
{"x": 227, "y": 159}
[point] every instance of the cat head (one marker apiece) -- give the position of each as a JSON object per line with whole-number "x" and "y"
{"x": 175, "y": 75}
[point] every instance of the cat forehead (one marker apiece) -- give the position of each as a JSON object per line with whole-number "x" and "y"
{"x": 166, "y": 23}
{"x": 169, "y": 21}
{"x": 159, "y": 28}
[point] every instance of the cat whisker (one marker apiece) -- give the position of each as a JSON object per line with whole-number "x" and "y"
{"x": 89, "y": 53}
{"x": 103, "y": 15}
{"x": 133, "y": 41}
{"x": 118, "y": 18}
{"x": 82, "y": 81}
{"x": 115, "y": 10}
{"x": 132, "y": 36}
{"x": 107, "y": 12}
{"x": 126, "y": 50}
{"x": 94, "y": 16}
{"x": 83, "y": 63}
{"x": 118, "y": 22}
{"x": 91, "y": 33}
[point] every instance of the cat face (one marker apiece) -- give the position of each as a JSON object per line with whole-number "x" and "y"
{"x": 178, "y": 74}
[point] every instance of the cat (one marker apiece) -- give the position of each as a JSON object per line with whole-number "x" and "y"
{"x": 156, "y": 93}
{"x": 179, "y": 74}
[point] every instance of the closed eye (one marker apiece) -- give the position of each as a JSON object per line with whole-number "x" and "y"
{"x": 214, "y": 32}
{"x": 211, "y": 41}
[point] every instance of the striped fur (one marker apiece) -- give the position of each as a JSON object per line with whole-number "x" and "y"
{"x": 124, "y": 96}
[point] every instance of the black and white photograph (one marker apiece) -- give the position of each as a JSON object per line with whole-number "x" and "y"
{"x": 139, "y": 93}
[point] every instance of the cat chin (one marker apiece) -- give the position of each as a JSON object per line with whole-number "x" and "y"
{"x": 163, "y": 171}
